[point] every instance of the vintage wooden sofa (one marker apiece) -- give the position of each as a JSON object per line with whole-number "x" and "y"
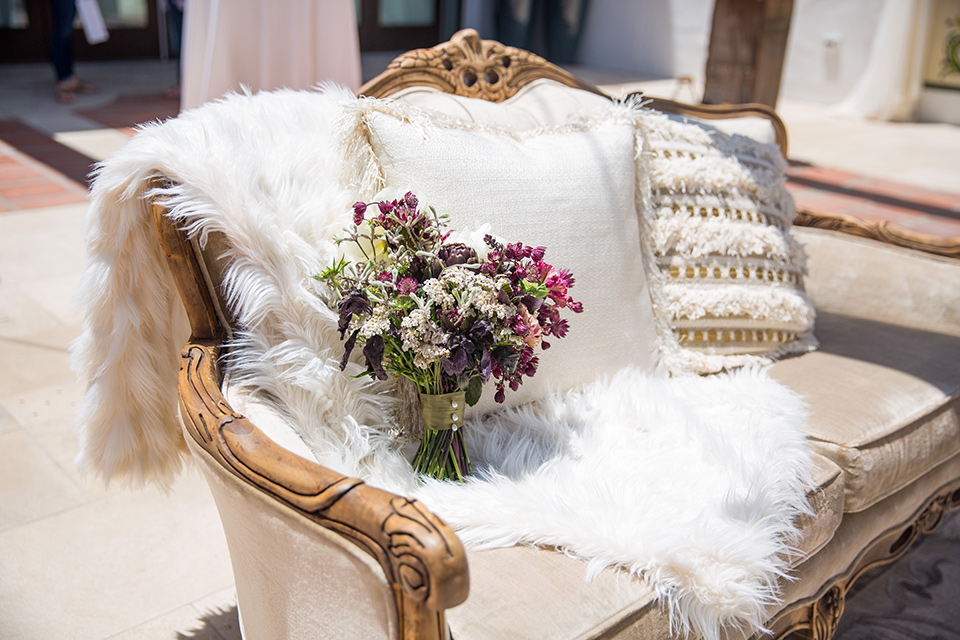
{"x": 317, "y": 554}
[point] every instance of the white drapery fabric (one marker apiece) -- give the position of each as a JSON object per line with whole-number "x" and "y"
{"x": 265, "y": 45}
{"x": 890, "y": 86}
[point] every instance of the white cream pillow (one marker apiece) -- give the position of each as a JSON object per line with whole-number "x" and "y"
{"x": 726, "y": 275}
{"x": 571, "y": 189}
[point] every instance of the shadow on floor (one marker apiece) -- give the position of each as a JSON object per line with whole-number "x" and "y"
{"x": 215, "y": 625}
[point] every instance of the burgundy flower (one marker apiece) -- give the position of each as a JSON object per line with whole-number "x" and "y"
{"x": 373, "y": 352}
{"x": 354, "y": 303}
{"x": 559, "y": 329}
{"x": 456, "y": 253}
{"x": 359, "y": 209}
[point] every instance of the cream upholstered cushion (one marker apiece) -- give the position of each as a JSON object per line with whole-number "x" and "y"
{"x": 542, "y": 103}
{"x": 294, "y": 578}
{"x": 726, "y": 274}
{"x": 754, "y": 127}
{"x": 884, "y": 388}
{"x": 884, "y": 401}
{"x": 546, "y": 103}
{"x": 867, "y": 279}
{"x": 571, "y": 189}
{"x": 826, "y": 499}
{"x": 857, "y": 530}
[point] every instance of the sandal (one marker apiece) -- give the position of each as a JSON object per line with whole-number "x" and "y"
{"x": 69, "y": 88}
{"x": 64, "y": 96}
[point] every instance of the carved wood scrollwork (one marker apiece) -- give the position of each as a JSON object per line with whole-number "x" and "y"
{"x": 471, "y": 67}
{"x": 887, "y": 232}
{"x": 933, "y": 515}
{"x": 409, "y": 528}
{"x": 818, "y": 620}
{"x": 826, "y": 614}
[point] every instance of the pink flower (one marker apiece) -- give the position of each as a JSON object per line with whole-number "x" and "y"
{"x": 529, "y": 329}
{"x": 407, "y": 286}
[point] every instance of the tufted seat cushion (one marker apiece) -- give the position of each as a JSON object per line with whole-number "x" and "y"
{"x": 884, "y": 402}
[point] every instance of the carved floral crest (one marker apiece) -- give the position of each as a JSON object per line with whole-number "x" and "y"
{"x": 468, "y": 66}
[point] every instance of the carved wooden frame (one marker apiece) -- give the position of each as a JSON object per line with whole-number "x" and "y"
{"x": 420, "y": 555}
{"x": 816, "y": 618}
{"x": 886, "y": 232}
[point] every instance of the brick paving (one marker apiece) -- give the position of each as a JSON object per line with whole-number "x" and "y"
{"x": 28, "y": 183}
{"x": 830, "y": 190}
{"x": 37, "y": 171}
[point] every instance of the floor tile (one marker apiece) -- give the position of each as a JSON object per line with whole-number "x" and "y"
{"x": 21, "y": 314}
{"x": 180, "y": 624}
{"x": 7, "y": 421}
{"x": 113, "y": 564}
{"x": 48, "y": 415}
{"x": 57, "y": 297}
{"x": 35, "y": 361}
{"x": 97, "y": 144}
{"x": 12, "y": 172}
{"x": 55, "y": 402}
{"x": 39, "y": 245}
{"x": 129, "y": 110}
{"x": 49, "y": 200}
{"x": 32, "y": 485}
{"x": 915, "y": 597}
{"x": 211, "y": 618}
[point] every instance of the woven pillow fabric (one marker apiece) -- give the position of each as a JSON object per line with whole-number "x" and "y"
{"x": 726, "y": 275}
{"x": 571, "y": 189}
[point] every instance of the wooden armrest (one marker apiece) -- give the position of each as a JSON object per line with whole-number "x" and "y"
{"x": 420, "y": 555}
{"x": 883, "y": 231}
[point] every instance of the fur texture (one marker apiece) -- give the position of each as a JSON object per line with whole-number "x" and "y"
{"x": 692, "y": 484}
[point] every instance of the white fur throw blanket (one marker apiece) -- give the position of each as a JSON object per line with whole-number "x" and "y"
{"x": 692, "y": 484}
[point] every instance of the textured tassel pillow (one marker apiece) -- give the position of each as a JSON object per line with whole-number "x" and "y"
{"x": 726, "y": 275}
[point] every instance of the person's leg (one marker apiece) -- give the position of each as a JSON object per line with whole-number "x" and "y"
{"x": 61, "y": 38}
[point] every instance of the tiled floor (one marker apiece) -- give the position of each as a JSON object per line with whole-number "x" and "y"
{"x": 78, "y": 560}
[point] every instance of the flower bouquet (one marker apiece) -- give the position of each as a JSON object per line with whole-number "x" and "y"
{"x": 447, "y": 312}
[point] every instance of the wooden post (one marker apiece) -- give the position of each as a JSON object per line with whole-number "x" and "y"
{"x": 748, "y": 41}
